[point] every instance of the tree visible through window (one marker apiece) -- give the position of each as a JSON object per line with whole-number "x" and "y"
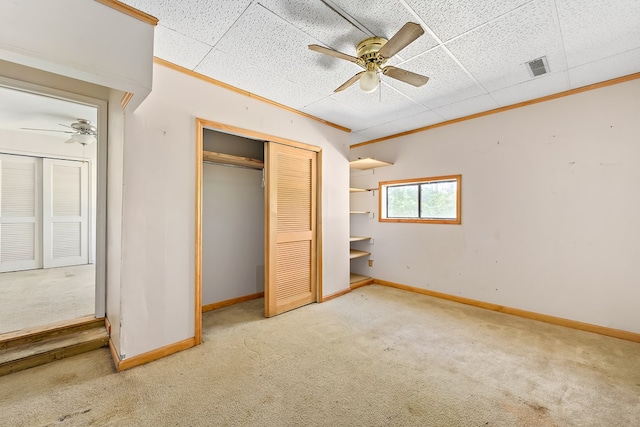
{"x": 435, "y": 200}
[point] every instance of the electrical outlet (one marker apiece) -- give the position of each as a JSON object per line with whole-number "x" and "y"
{"x": 370, "y": 263}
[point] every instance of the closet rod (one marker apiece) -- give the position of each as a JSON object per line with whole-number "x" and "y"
{"x": 228, "y": 159}
{"x": 207, "y": 162}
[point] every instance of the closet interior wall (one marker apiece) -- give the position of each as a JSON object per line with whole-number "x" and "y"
{"x": 232, "y": 221}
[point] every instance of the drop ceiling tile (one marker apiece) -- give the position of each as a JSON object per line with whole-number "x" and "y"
{"x": 384, "y": 18}
{"x": 384, "y": 105}
{"x": 448, "y": 19}
{"x": 447, "y": 84}
{"x": 467, "y": 107}
{"x": 605, "y": 69}
{"x": 377, "y": 131}
{"x": 238, "y": 73}
{"x": 416, "y": 121}
{"x": 177, "y": 48}
{"x": 355, "y": 138}
{"x": 205, "y": 21}
{"x": 269, "y": 42}
{"x": 538, "y": 87}
{"x": 495, "y": 54}
{"x": 336, "y": 112}
{"x": 599, "y": 30}
{"x": 261, "y": 46}
{"x": 318, "y": 21}
{"x": 403, "y": 124}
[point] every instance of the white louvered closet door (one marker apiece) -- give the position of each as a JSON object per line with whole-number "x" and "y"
{"x": 65, "y": 213}
{"x": 19, "y": 213}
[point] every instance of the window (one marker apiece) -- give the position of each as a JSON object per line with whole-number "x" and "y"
{"x": 430, "y": 200}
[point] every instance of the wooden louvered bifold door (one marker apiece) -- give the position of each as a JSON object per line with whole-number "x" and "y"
{"x": 19, "y": 213}
{"x": 290, "y": 228}
{"x": 65, "y": 213}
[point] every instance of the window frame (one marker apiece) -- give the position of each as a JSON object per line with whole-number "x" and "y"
{"x": 382, "y": 186}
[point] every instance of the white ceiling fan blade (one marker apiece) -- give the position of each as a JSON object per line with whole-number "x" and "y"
{"x": 349, "y": 82}
{"x": 405, "y": 76}
{"x": 334, "y": 53}
{"x": 48, "y": 130}
{"x": 407, "y": 34}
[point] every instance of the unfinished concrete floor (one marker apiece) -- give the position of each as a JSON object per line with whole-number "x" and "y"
{"x": 34, "y": 298}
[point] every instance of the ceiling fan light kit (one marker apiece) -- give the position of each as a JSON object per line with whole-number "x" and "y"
{"x": 369, "y": 81}
{"x": 81, "y": 138}
{"x": 85, "y": 132}
{"x": 372, "y": 55}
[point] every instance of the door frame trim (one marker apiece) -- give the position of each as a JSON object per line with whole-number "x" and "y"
{"x": 202, "y": 124}
{"x": 100, "y": 237}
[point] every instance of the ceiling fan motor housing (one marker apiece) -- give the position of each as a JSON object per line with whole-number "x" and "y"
{"x": 372, "y": 53}
{"x": 84, "y": 127}
{"x": 367, "y": 51}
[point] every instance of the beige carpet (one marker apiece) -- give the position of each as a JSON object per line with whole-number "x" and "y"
{"x": 375, "y": 357}
{"x": 35, "y": 298}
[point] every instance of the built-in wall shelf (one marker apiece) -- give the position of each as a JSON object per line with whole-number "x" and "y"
{"x": 367, "y": 163}
{"x": 355, "y": 253}
{"x": 355, "y": 278}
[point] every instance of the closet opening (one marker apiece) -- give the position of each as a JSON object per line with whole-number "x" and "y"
{"x": 258, "y": 227}
{"x": 232, "y": 219}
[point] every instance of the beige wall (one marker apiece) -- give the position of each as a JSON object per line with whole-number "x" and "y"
{"x": 39, "y": 46}
{"x": 158, "y": 251}
{"x": 549, "y": 208}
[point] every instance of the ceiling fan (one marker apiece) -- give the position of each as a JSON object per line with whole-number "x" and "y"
{"x": 83, "y": 132}
{"x": 372, "y": 53}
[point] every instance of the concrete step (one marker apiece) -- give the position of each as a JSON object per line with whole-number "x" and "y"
{"x": 26, "y": 351}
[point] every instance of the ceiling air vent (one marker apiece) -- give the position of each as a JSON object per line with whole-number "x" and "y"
{"x": 538, "y": 67}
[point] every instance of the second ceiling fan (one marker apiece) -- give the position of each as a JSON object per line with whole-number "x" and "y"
{"x": 82, "y": 131}
{"x": 373, "y": 53}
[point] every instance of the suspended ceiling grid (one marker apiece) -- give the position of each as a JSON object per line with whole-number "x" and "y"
{"x": 473, "y": 51}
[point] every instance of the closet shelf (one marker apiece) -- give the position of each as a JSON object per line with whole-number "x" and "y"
{"x": 358, "y": 238}
{"x": 354, "y": 253}
{"x": 228, "y": 159}
{"x": 357, "y": 190}
{"x": 367, "y": 163}
{"x": 359, "y": 212}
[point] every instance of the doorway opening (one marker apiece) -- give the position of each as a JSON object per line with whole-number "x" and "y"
{"x": 287, "y": 237}
{"x": 50, "y": 190}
